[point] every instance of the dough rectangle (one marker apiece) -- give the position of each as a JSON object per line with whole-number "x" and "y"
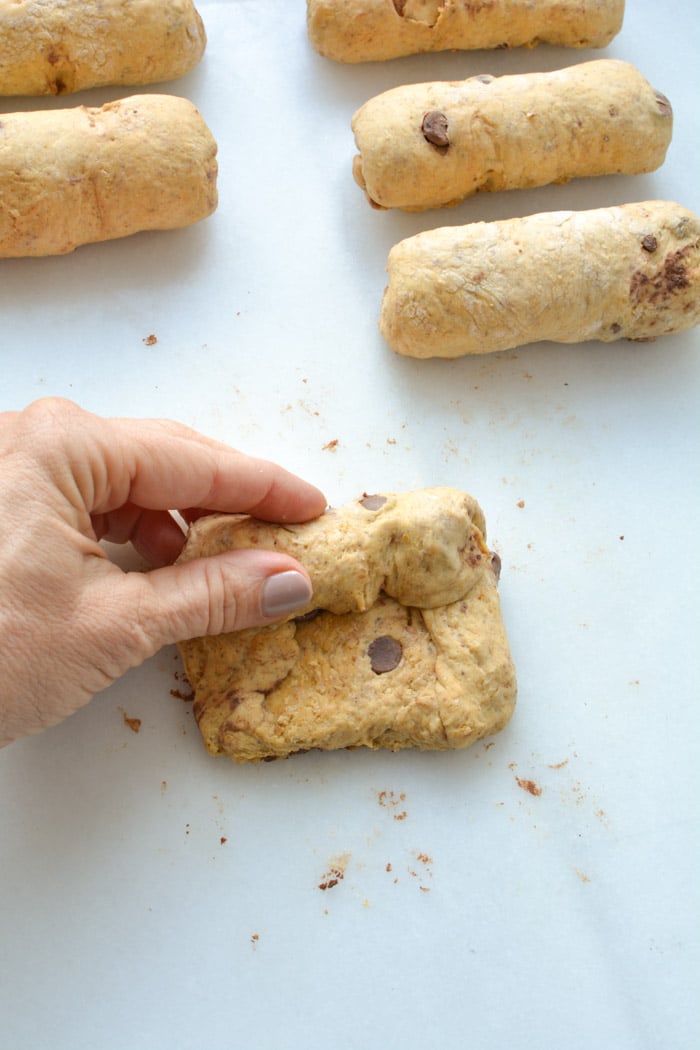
{"x": 365, "y": 665}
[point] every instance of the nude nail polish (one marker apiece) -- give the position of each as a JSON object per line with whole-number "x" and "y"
{"x": 283, "y": 593}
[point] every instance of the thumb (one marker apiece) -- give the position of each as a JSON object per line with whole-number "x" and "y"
{"x": 209, "y": 596}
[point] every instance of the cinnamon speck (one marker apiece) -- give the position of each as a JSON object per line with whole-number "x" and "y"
{"x": 330, "y": 446}
{"x": 521, "y": 503}
{"x": 223, "y": 840}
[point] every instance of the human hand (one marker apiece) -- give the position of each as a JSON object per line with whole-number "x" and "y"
{"x": 71, "y": 621}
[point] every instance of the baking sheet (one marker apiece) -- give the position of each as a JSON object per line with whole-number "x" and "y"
{"x": 538, "y": 890}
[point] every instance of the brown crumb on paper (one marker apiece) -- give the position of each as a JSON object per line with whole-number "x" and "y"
{"x": 391, "y": 801}
{"x": 150, "y": 340}
{"x": 134, "y": 724}
{"x": 528, "y": 785}
{"x": 335, "y": 872}
{"x": 179, "y": 695}
{"x": 331, "y": 446}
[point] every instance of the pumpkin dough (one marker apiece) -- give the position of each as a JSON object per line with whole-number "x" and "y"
{"x": 431, "y": 145}
{"x": 73, "y": 176}
{"x": 374, "y": 30}
{"x": 403, "y": 645}
{"x": 631, "y": 271}
{"x": 54, "y": 47}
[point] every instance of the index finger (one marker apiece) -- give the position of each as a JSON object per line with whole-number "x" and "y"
{"x": 159, "y": 465}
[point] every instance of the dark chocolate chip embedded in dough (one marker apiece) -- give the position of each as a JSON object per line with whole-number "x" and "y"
{"x": 373, "y": 502}
{"x": 384, "y": 653}
{"x": 434, "y": 128}
{"x": 496, "y": 564}
{"x": 649, "y": 243}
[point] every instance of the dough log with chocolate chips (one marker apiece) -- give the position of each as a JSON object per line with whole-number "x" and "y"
{"x": 374, "y": 30}
{"x": 74, "y": 176}
{"x": 432, "y": 145}
{"x": 54, "y": 47}
{"x": 626, "y": 272}
{"x": 403, "y": 646}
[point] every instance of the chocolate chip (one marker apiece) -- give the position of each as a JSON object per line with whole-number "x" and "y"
{"x": 649, "y": 243}
{"x": 663, "y": 104}
{"x": 385, "y": 654}
{"x": 373, "y": 502}
{"x": 496, "y": 564}
{"x": 434, "y": 128}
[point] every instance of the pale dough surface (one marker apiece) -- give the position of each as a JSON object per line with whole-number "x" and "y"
{"x": 510, "y": 132}
{"x": 54, "y": 47}
{"x": 84, "y": 174}
{"x": 630, "y": 271}
{"x": 374, "y": 30}
{"x": 322, "y": 679}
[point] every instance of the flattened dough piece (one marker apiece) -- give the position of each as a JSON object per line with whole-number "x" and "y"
{"x": 54, "y": 47}
{"x": 432, "y": 145}
{"x": 630, "y": 271}
{"x": 379, "y": 673}
{"x": 83, "y": 174}
{"x": 374, "y": 30}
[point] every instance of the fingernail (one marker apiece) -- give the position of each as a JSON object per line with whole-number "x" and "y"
{"x": 283, "y": 593}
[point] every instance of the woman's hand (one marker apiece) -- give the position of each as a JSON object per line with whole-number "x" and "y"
{"x": 71, "y": 621}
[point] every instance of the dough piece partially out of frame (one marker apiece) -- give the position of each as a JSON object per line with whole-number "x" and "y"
{"x": 403, "y": 647}
{"x": 74, "y": 176}
{"x": 631, "y": 271}
{"x": 374, "y": 30}
{"x": 54, "y": 47}
{"x": 431, "y": 145}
